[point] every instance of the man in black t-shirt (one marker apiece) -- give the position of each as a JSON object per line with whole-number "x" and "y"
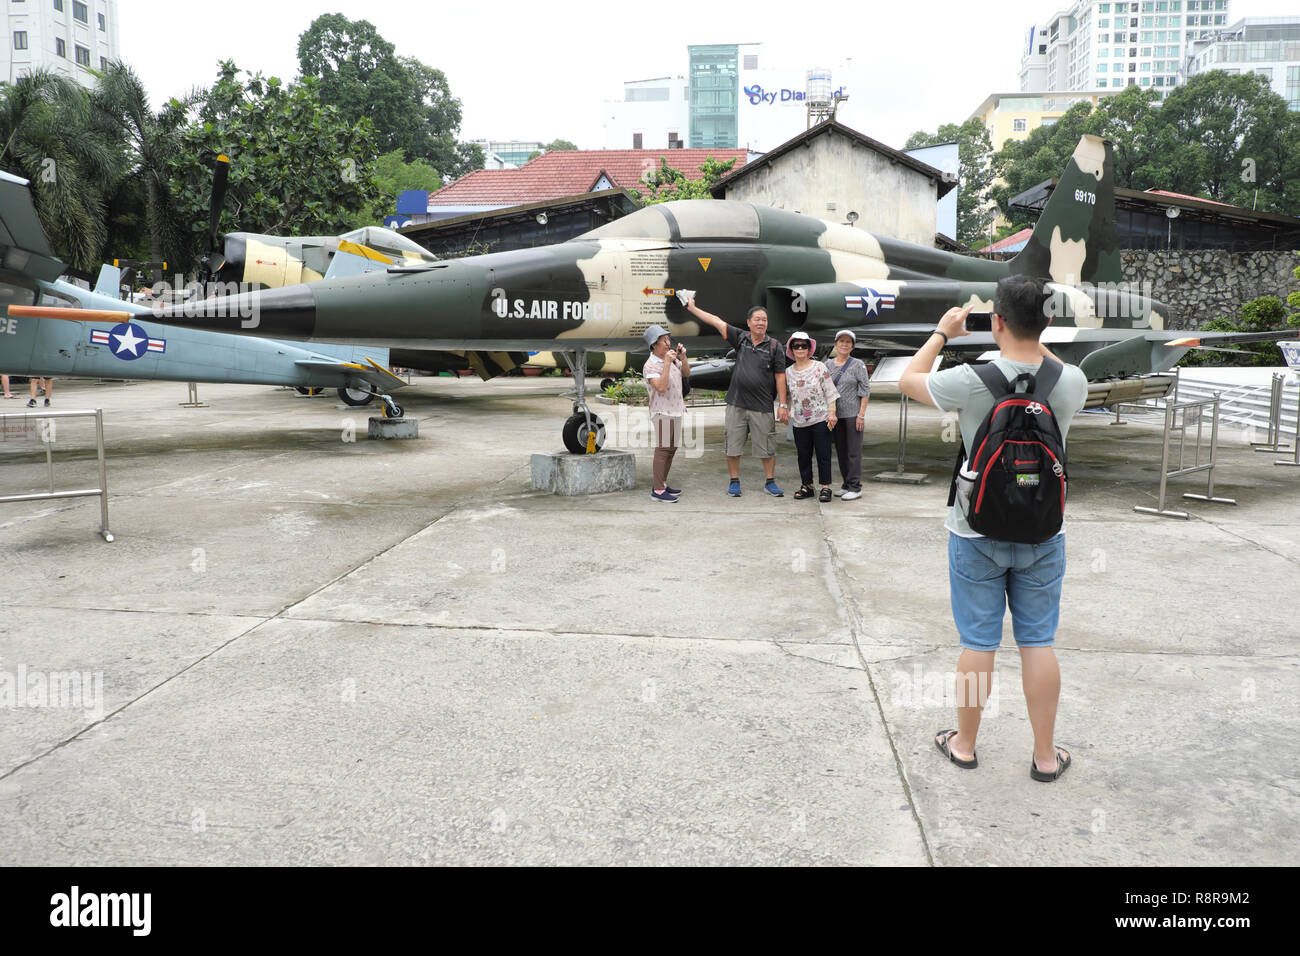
{"x": 757, "y": 381}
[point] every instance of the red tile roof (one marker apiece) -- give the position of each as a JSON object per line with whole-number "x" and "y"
{"x": 562, "y": 173}
{"x": 1015, "y": 239}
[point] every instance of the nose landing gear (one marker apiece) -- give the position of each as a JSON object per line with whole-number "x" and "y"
{"x": 583, "y": 432}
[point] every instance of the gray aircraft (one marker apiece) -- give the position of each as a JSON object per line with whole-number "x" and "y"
{"x": 113, "y": 338}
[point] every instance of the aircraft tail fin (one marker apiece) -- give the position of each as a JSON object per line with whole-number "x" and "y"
{"x": 109, "y": 281}
{"x": 1075, "y": 240}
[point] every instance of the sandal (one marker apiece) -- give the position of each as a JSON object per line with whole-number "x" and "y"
{"x": 947, "y": 735}
{"x": 825, "y": 495}
{"x": 804, "y": 492}
{"x": 1062, "y": 765}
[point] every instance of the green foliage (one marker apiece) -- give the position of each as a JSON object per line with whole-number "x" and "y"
{"x": 1264, "y": 314}
{"x": 975, "y": 175}
{"x": 1021, "y": 164}
{"x": 408, "y": 102}
{"x": 153, "y": 141}
{"x": 297, "y": 166}
{"x": 561, "y": 144}
{"x": 392, "y": 175}
{"x": 51, "y": 135}
{"x": 1223, "y": 136}
{"x": 666, "y": 183}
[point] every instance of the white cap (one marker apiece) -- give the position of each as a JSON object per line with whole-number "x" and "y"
{"x": 848, "y": 333}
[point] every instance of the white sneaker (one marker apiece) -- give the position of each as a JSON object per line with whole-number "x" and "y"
{"x": 840, "y": 492}
{"x": 850, "y": 495}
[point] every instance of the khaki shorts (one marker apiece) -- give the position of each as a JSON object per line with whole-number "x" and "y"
{"x": 759, "y": 426}
{"x": 666, "y": 431}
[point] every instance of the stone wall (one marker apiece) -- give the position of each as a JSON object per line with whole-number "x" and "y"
{"x": 1205, "y": 284}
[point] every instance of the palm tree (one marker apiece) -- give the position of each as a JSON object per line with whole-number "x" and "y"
{"x": 51, "y": 137}
{"x": 152, "y": 140}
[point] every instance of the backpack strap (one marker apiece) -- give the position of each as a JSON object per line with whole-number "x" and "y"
{"x": 956, "y": 470}
{"x": 1049, "y": 373}
{"x": 993, "y": 379}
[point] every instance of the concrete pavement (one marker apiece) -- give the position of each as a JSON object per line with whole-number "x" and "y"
{"x": 310, "y": 649}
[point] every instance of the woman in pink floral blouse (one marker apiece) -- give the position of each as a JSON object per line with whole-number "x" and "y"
{"x": 812, "y": 413}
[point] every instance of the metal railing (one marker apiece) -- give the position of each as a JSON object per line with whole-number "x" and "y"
{"x": 1191, "y": 413}
{"x": 40, "y": 427}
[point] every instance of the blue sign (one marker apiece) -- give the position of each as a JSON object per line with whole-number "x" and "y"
{"x": 411, "y": 201}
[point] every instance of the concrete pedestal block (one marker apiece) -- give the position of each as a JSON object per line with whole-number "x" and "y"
{"x": 394, "y": 428}
{"x": 567, "y": 474}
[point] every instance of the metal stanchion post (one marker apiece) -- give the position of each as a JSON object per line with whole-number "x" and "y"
{"x": 103, "y": 475}
{"x": 1272, "y": 444}
{"x": 1295, "y": 439}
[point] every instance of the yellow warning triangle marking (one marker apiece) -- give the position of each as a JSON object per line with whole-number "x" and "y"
{"x": 705, "y": 263}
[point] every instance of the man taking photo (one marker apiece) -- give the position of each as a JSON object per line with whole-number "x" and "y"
{"x": 987, "y": 575}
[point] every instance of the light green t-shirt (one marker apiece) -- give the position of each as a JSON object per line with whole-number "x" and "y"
{"x": 959, "y": 389}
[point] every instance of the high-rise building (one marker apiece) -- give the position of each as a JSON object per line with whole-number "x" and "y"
{"x": 70, "y": 37}
{"x": 732, "y": 96}
{"x": 1096, "y": 45}
{"x": 1267, "y": 46}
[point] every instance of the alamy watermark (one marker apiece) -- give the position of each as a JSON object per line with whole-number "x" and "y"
{"x": 65, "y": 689}
{"x": 213, "y": 300}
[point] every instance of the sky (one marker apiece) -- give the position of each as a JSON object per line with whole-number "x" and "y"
{"x": 541, "y": 71}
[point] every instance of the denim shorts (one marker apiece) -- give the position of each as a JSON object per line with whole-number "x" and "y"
{"x": 986, "y": 576}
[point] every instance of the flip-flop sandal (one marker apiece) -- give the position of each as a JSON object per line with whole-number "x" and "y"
{"x": 1062, "y": 765}
{"x": 947, "y": 752}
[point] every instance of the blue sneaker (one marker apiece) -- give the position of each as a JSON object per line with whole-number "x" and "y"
{"x": 662, "y": 496}
{"x": 773, "y": 489}
{"x": 673, "y": 491}
{"x": 734, "y": 488}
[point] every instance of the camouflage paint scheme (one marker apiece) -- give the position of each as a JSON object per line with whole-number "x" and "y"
{"x": 599, "y": 291}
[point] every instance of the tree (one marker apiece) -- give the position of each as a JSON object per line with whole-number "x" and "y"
{"x": 153, "y": 140}
{"x": 1224, "y": 136}
{"x": 392, "y": 175}
{"x": 666, "y": 184}
{"x": 975, "y": 175}
{"x": 408, "y": 102}
{"x": 52, "y": 138}
{"x": 297, "y": 166}
{"x": 1130, "y": 120}
{"x": 1021, "y": 164}
{"x": 560, "y": 144}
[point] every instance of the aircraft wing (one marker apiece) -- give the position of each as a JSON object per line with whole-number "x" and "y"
{"x": 1193, "y": 339}
{"x": 369, "y": 371}
{"x": 23, "y": 246}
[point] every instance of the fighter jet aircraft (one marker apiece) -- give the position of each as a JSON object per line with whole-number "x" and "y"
{"x": 117, "y": 339}
{"x": 600, "y": 290}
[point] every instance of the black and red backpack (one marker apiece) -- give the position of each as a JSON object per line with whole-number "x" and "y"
{"x": 1013, "y": 487}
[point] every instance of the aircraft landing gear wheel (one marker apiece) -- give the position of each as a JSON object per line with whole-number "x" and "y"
{"x": 392, "y": 409}
{"x": 607, "y": 383}
{"x": 307, "y": 390}
{"x": 576, "y": 431}
{"x": 356, "y": 396}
